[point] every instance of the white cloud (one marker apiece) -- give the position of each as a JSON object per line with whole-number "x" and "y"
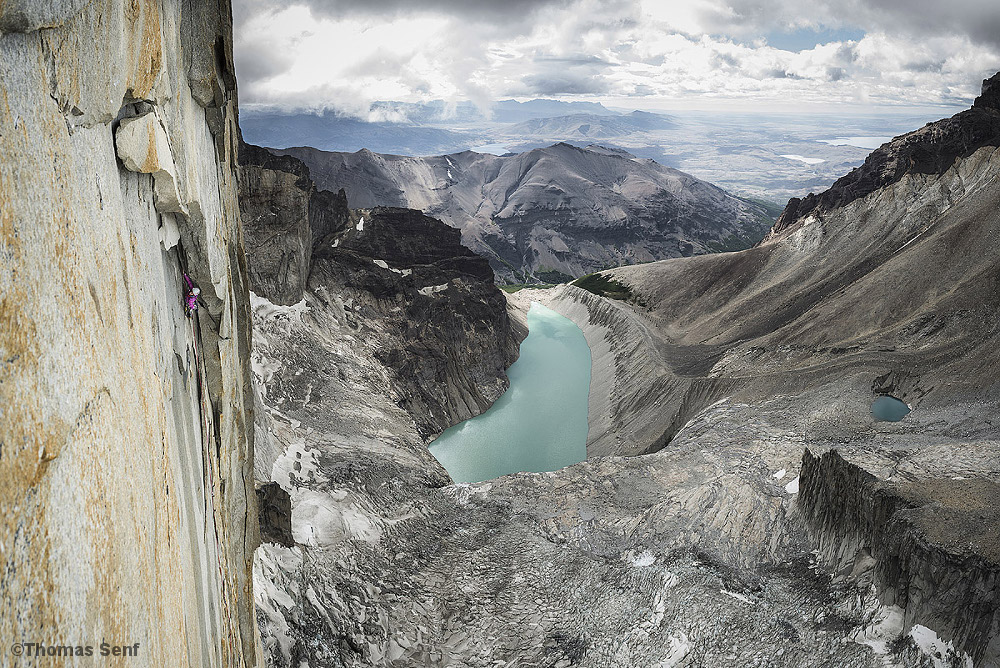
{"x": 707, "y": 51}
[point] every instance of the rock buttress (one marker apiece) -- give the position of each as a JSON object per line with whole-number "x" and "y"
{"x": 442, "y": 325}
{"x": 126, "y": 459}
{"x": 930, "y": 546}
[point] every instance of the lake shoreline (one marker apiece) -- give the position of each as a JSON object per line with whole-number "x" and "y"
{"x": 541, "y": 422}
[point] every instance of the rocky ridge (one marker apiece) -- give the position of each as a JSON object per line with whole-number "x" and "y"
{"x": 924, "y": 541}
{"x": 931, "y": 150}
{"x": 404, "y": 276}
{"x": 554, "y": 213}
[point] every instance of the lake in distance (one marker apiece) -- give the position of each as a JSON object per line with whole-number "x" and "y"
{"x": 540, "y": 422}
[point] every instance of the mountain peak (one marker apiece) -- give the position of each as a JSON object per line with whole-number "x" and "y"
{"x": 932, "y": 149}
{"x": 990, "y": 97}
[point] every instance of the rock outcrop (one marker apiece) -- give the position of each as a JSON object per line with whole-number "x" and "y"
{"x": 275, "y": 197}
{"x": 128, "y": 509}
{"x": 275, "y": 514}
{"x": 551, "y": 214}
{"x": 443, "y": 328}
{"x": 928, "y": 543}
{"x": 449, "y": 336}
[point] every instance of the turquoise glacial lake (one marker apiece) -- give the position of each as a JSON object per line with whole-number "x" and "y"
{"x": 540, "y": 422}
{"x": 889, "y": 409}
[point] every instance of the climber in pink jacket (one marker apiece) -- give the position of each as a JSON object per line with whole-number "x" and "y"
{"x": 191, "y": 296}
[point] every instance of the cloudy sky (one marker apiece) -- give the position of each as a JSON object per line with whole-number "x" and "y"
{"x": 850, "y": 55}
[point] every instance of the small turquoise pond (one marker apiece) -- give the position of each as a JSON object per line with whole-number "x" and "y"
{"x": 889, "y": 409}
{"x": 540, "y": 422}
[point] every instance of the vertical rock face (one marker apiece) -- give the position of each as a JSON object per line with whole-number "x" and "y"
{"x": 449, "y": 337}
{"x": 128, "y": 511}
{"x": 929, "y": 546}
{"x": 443, "y": 326}
{"x": 274, "y": 196}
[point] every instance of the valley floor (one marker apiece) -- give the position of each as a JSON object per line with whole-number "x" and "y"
{"x": 695, "y": 555}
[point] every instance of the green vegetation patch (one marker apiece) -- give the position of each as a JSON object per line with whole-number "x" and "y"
{"x": 604, "y": 286}
{"x": 552, "y": 276}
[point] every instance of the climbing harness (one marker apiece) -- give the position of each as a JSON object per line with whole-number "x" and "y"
{"x": 191, "y": 296}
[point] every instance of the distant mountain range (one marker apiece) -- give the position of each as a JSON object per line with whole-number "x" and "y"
{"x": 554, "y": 213}
{"x": 329, "y": 130}
{"x": 584, "y": 126}
{"x": 771, "y": 157}
{"x": 416, "y": 129}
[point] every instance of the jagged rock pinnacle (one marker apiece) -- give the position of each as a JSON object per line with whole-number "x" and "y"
{"x": 990, "y": 97}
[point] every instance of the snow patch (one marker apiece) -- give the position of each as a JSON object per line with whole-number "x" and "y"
{"x": 737, "y": 596}
{"x": 271, "y": 563}
{"x": 360, "y": 227}
{"x": 430, "y": 290}
{"x": 793, "y": 486}
{"x": 321, "y": 519}
{"x": 385, "y": 265}
{"x": 266, "y": 309}
{"x": 263, "y": 369}
{"x": 780, "y": 474}
{"x": 297, "y": 460}
{"x": 885, "y": 626}
{"x": 802, "y": 158}
{"x": 938, "y": 650}
{"x": 680, "y": 647}
{"x": 644, "y": 559}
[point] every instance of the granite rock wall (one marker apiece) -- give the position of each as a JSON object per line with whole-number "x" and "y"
{"x": 128, "y": 512}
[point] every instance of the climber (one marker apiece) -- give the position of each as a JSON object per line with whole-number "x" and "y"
{"x": 191, "y": 296}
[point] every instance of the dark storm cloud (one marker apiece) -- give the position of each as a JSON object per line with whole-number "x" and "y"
{"x": 259, "y": 64}
{"x": 777, "y": 73}
{"x": 924, "y": 66}
{"x": 573, "y": 60}
{"x": 554, "y": 83}
{"x": 505, "y": 12}
{"x": 725, "y": 60}
{"x": 979, "y": 20}
{"x": 835, "y": 73}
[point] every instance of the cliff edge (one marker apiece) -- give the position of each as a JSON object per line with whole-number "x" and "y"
{"x": 126, "y": 429}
